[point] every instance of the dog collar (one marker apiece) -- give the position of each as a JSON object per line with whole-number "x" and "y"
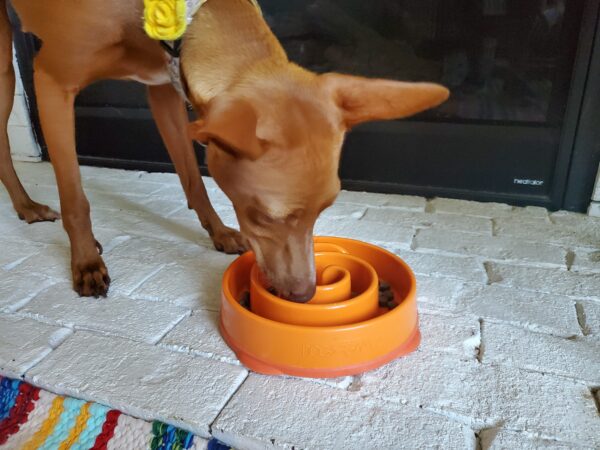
{"x": 167, "y": 21}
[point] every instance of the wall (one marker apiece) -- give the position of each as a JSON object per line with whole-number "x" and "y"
{"x": 22, "y": 141}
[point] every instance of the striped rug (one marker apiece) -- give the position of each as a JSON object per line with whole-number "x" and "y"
{"x": 31, "y": 418}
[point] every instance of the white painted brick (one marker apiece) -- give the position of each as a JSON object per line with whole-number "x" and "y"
{"x": 591, "y": 316}
{"x": 438, "y": 293}
{"x": 17, "y": 288}
{"x": 457, "y": 267}
{"x": 578, "y": 358}
{"x": 104, "y": 173}
{"x": 154, "y": 226}
{"x": 548, "y": 313}
{"x": 498, "y": 439}
{"x": 546, "y": 232}
{"x": 190, "y": 214}
{"x": 127, "y": 274}
{"x": 14, "y": 251}
{"x": 469, "y": 208}
{"x": 532, "y": 212}
{"x": 551, "y": 281}
{"x": 120, "y": 186}
{"x": 22, "y": 143}
{"x": 586, "y": 261}
{"x": 218, "y": 198}
{"x": 403, "y": 202}
{"x": 199, "y": 335}
{"x": 156, "y": 250}
{"x": 18, "y": 81}
{"x": 44, "y": 193}
{"x": 19, "y": 115}
{"x": 365, "y": 231}
{"x": 35, "y": 173}
{"x": 139, "y": 379}
{"x": 574, "y": 221}
{"x": 42, "y": 232}
{"x": 160, "y": 177}
{"x": 53, "y": 261}
{"x": 196, "y": 285}
{"x": 406, "y": 202}
{"x": 164, "y": 207}
{"x": 270, "y": 412}
{"x": 455, "y": 334}
{"x": 488, "y": 396}
{"x": 594, "y": 209}
{"x": 495, "y": 248}
{"x": 25, "y": 342}
{"x": 174, "y": 191}
{"x": 210, "y": 183}
{"x": 467, "y": 224}
{"x": 116, "y": 315}
{"x": 341, "y": 210}
{"x": 102, "y": 202}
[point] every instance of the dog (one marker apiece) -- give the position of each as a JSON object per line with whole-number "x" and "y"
{"x": 273, "y": 130}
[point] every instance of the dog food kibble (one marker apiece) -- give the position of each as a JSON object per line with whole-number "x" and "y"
{"x": 386, "y": 296}
{"x": 383, "y": 286}
{"x": 245, "y": 300}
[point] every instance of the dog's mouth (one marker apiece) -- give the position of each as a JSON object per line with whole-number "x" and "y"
{"x": 290, "y": 296}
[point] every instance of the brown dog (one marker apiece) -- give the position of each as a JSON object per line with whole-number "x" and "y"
{"x": 274, "y": 130}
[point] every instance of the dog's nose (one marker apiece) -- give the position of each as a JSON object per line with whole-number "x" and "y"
{"x": 303, "y": 295}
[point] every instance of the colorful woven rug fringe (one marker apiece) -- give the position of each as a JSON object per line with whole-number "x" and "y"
{"x": 31, "y": 418}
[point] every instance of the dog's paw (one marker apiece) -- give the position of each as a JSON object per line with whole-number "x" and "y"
{"x": 230, "y": 241}
{"x": 36, "y": 212}
{"x": 90, "y": 278}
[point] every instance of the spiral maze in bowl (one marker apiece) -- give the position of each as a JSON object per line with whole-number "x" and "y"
{"x": 343, "y": 330}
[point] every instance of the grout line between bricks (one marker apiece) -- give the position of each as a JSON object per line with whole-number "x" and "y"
{"x": 569, "y": 258}
{"x": 413, "y": 240}
{"x": 581, "y": 319}
{"x": 480, "y": 348}
{"x": 478, "y": 445}
{"x": 12, "y": 265}
{"x": 62, "y": 339}
{"x": 596, "y": 397}
{"x": 491, "y": 277}
{"x": 494, "y": 227}
{"x": 210, "y": 425}
{"x": 20, "y": 304}
{"x": 144, "y": 279}
{"x": 175, "y": 323}
{"x": 356, "y": 384}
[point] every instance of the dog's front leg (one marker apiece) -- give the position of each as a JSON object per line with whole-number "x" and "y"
{"x": 57, "y": 116}
{"x": 26, "y": 208}
{"x": 171, "y": 119}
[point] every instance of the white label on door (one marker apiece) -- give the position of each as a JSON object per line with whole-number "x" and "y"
{"x": 528, "y": 182}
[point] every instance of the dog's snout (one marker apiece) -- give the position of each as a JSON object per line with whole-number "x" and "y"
{"x": 303, "y": 295}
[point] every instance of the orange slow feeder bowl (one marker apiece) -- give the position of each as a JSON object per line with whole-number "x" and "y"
{"x": 343, "y": 330}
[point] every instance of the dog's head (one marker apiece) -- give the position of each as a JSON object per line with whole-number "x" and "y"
{"x": 274, "y": 149}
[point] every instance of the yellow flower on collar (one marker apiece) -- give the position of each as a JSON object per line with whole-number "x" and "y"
{"x": 165, "y": 20}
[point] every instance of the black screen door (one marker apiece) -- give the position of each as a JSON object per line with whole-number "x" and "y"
{"x": 516, "y": 68}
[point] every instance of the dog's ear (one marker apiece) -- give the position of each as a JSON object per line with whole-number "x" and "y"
{"x": 231, "y": 123}
{"x": 363, "y": 100}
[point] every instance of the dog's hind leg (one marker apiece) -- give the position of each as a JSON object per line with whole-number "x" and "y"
{"x": 171, "y": 119}
{"x": 57, "y": 116}
{"x": 26, "y": 208}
